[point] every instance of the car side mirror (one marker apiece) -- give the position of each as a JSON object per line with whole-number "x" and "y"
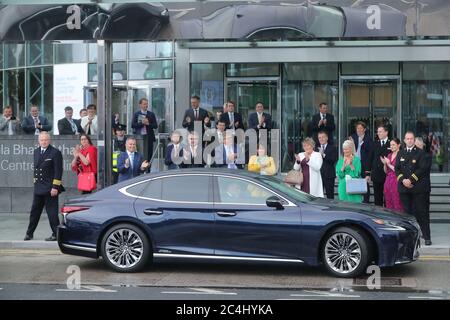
{"x": 274, "y": 202}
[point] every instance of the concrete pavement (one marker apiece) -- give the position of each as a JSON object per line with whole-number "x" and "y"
{"x": 13, "y": 227}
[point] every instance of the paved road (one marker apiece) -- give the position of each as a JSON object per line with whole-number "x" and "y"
{"x": 43, "y": 274}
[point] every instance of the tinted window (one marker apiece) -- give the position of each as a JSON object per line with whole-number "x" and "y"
{"x": 150, "y": 189}
{"x": 188, "y": 188}
{"x": 241, "y": 192}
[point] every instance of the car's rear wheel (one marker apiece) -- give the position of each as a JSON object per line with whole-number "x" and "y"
{"x": 125, "y": 248}
{"x": 346, "y": 252}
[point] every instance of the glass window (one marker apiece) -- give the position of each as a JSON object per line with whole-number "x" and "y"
{"x": 93, "y": 51}
{"x": 14, "y": 91}
{"x": 147, "y": 70}
{"x": 39, "y": 92}
{"x": 190, "y": 188}
{"x": 149, "y": 50}
{"x": 426, "y": 108}
{"x": 207, "y": 83}
{"x": 119, "y": 51}
{"x": 303, "y": 87}
{"x": 252, "y": 69}
{"x": 1, "y": 88}
{"x": 278, "y": 34}
{"x": 14, "y": 55}
{"x": 39, "y": 53}
{"x": 1, "y": 56}
{"x": 285, "y": 189}
{"x": 119, "y": 71}
{"x": 237, "y": 191}
{"x": 150, "y": 189}
{"x": 70, "y": 52}
{"x": 370, "y": 68}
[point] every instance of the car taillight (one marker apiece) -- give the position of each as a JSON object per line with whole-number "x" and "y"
{"x": 70, "y": 209}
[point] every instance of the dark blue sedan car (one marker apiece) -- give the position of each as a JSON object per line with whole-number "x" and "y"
{"x": 207, "y": 214}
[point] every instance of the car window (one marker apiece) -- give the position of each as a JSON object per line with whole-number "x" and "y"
{"x": 285, "y": 189}
{"x": 186, "y": 188}
{"x": 136, "y": 190}
{"x": 152, "y": 189}
{"x": 237, "y": 191}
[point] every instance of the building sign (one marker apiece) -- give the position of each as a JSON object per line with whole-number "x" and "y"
{"x": 262, "y": 20}
{"x": 68, "y": 83}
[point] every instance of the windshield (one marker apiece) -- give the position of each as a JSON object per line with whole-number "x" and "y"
{"x": 286, "y": 189}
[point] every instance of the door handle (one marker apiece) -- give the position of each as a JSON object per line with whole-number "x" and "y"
{"x": 150, "y": 212}
{"x": 226, "y": 213}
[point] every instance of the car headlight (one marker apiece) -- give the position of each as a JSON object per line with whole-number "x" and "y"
{"x": 388, "y": 225}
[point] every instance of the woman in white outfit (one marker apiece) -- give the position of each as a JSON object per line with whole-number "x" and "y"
{"x": 310, "y": 163}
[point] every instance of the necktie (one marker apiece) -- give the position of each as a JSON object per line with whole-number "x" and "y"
{"x": 196, "y": 114}
{"x": 42, "y": 151}
{"x": 74, "y": 126}
{"x": 232, "y": 119}
{"x": 132, "y": 160}
{"x": 259, "y": 117}
{"x": 382, "y": 143}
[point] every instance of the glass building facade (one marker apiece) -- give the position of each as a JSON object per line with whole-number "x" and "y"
{"x": 404, "y": 95}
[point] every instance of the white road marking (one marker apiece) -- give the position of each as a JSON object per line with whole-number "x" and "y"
{"x": 423, "y": 297}
{"x": 201, "y": 291}
{"x": 313, "y": 293}
{"x": 88, "y": 289}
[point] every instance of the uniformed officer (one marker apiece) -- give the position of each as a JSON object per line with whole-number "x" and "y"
{"x": 413, "y": 179}
{"x": 48, "y": 169}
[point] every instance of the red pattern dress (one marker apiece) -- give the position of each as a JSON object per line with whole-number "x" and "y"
{"x": 391, "y": 195}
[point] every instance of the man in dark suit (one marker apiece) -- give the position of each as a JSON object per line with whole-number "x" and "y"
{"x": 131, "y": 163}
{"x": 174, "y": 152}
{"x": 420, "y": 144}
{"x": 375, "y": 171}
{"x": 329, "y": 154}
{"x": 144, "y": 122}
{"x": 195, "y": 113}
{"x": 411, "y": 169}
{"x": 34, "y": 123}
{"x": 226, "y": 155}
{"x": 323, "y": 121}
{"x": 67, "y": 125}
{"x": 193, "y": 152}
{"x": 48, "y": 170}
{"x": 259, "y": 119}
{"x": 232, "y": 120}
{"x": 363, "y": 144}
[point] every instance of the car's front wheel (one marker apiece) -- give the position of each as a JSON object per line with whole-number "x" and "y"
{"x": 346, "y": 252}
{"x": 125, "y": 248}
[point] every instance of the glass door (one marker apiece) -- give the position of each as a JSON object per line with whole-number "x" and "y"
{"x": 372, "y": 101}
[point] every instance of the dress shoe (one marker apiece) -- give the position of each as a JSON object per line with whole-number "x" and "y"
{"x": 428, "y": 242}
{"x": 52, "y": 238}
{"x": 28, "y": 238}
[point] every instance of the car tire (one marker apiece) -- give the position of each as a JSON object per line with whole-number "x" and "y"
{"x": 125, "y": 248}
{"x": 346, "y": 252}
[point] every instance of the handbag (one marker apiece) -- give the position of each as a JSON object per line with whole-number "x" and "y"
{"x": 294, "y": 177}
{"x": 86, "y": 181}
{"x": 356, "y": 186}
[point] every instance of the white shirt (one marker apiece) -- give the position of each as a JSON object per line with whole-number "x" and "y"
{"x": 36, "y": 121}
{"x": 323, "y": 116}
{"x": 131, "y": 156}
{"x": 383, "y": 142}
{"x": 94, "y": 125}
{"x": 43, "y": 150}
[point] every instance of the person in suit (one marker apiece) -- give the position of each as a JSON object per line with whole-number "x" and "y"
{"x": 130, "y": 163}
{"x": 226, "y": 155}
{"x": 48, "y": 170}
{"x": 232, "y": 120}
{"x": 330, "y": 156}
{"x": 259, "y": 119}
{"x": 34, "y": 123}
{"x": 375, "y": 170}
{"x": 89, "y": 123}
{"x": 323, "y": 121}
{"x": 363, "y": 144}
{"x": 143, "y": 123}
{"x": 193, "y": 152}
{"x": 9, "y": 125}
{"x": 118, "y": 146}
{"x": 195, "y": 113}
{"x": 419, "y": 143}
{"x": 411, "y": 169}
{"x": 67, "y": 125}
{"x": 174, "y": 152}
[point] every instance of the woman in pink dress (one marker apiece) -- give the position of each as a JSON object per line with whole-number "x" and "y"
{"x": 391, "y": 195}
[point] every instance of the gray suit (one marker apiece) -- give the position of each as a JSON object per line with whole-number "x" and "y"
{"x": 4, "y": 125}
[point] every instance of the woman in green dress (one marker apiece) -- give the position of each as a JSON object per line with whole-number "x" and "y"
{"x": 348, "y": 166}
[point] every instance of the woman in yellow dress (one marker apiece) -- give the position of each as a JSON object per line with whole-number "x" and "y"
{"x": 262, "y": 163}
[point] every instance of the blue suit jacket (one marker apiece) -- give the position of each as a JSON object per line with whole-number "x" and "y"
{"x": 130, "y": 172}
{"x": 168, "y": 159}
{"x": 28, "y": 125}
